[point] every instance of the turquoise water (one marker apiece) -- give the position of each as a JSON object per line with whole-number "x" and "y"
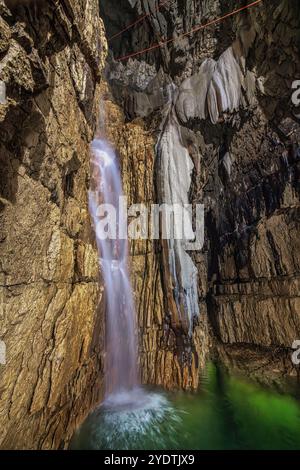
{"x": 228, "y": 412}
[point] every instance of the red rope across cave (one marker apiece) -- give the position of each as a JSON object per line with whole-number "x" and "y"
{"x": 139, "y": 20}
{"x": 192, "y": 31}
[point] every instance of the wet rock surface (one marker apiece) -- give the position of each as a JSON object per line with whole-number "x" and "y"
{"x": 163, "y": 342}
{"x": 52, "y": 55}
{"x": 205, "y": 119}
{"x": 229, "y": 87}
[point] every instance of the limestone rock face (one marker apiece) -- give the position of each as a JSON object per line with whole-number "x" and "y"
{"x": 52, "y": 55}
{"x": 226, "y": 92}
{"x": 162, "y": 339}
{"x": 206, "y": 118}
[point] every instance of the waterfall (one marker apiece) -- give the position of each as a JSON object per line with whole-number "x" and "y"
{"x": 121, "y": 349}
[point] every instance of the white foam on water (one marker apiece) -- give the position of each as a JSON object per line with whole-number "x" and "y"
{"x": 126, "y": 420}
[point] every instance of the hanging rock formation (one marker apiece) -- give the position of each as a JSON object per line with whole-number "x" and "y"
{"x": 218, "y": 106}
{"x": 163, "y": 341}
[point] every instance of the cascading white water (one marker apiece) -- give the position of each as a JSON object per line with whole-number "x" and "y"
{"x": 121, "y": 350}
{"x": 128, "y": 411}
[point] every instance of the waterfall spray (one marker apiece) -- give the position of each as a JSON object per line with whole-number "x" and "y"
{"x": 129, "y": 413}
{"x": 121, "y": 349}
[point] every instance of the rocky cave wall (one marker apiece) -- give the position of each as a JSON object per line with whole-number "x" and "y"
{"x": 217, "y": 105}
{"x": 51, "y": 59}
{"x": 205, "y": 119}
{"x": 162, "y": 354}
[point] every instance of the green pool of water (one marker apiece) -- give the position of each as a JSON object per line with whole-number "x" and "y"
{"x": 228, "y": 412}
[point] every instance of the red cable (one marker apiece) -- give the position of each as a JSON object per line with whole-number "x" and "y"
{"x": 194, "y": 30}
{"x": 139, "y": 20}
